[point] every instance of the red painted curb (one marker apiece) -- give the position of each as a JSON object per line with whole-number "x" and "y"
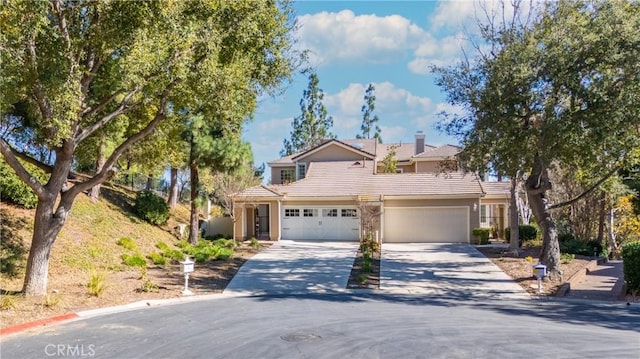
{"x": 42, "y": 322}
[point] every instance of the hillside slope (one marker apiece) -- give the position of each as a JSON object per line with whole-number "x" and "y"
{"x": 88, "y": 247}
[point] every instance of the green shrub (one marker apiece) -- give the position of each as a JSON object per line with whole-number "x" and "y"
{"x": 576, "y": 246}
{"x": 227, "y": 243}
{"x": 157, "y": 258}
{"x": 151, "y": 208}
{"x": 135, "y": 260}
{"x": 526, "y": 233}
{"x": 162, "y": 246}
{"x": 254, "y": 243}
{"x": 567, "y": 258}
{"x": 173, "y": 255}
{"x": 482, "y": 235}
{"x": 12, "y": 252}
{"x": 631, "y": 261}
{"x": 127, "y": 243}
{"x": 14, "y": 190}
{"x": 224, "y": 253}
{"x": 201, "y": 257}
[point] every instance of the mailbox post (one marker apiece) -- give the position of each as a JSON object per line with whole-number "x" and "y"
{"x": 540, "y": 271}
{"x": 187, "y": 267}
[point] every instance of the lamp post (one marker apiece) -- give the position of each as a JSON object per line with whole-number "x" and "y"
{"x": 187, "y": 267}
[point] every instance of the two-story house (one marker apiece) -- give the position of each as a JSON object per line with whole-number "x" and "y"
{"x": 336, "y": 191}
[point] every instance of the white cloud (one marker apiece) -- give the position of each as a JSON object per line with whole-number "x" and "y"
{"x": 464, "y": 15}
{"x": 343, "y": 36}
{"x": 393, "y": 105}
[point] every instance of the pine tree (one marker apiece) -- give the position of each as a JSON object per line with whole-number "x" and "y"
{"x": 369, "y": 123}
{"x": 313, "y": 126}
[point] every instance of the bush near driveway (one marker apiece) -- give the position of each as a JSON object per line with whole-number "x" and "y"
{"x": 631, "y": 262}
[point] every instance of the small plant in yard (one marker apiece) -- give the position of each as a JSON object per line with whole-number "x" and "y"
{"x": 529, "y": 259}
{"x": 254, "y": 243}
{"x": 567, "y": 258}
{"x": 148, "y": 286}
{"x": 157, "y": 258}
{"x": 97, "y": 283}
{"x": 135, "y": 260}
{"x": 362, "y": 279}
{"x": 162, "y": 246}
{"x": 367, "y": 264}
{"x": 227, "y": 243}
{"x": 482, "y": 235}
{"x": 127, "y": 243}
{"x": 52, "y": 300}
{"x": 7, "y": 302}
{"x": 173, "y": 255}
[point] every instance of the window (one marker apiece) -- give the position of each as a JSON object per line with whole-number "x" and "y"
{"x": 286, "y": 176}
{"x": 310, "y": 212}
{"x": 330, "y": 212}
{"x": 291, "y": 212}
{"x": 302, "y": 170}
{"x": 349, "y": 213}
{"x": 483, "y": 213}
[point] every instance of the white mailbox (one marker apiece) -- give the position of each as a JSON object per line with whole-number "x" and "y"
{"x": 186, "y": 266}
{"x": 540, "y": 270}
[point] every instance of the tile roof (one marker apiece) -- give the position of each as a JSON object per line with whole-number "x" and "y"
{"x": 496, "y": 188}
{"x": 439, "y": 152}
{"x": 260, "y": 192}
{"x": 343, "y": 179}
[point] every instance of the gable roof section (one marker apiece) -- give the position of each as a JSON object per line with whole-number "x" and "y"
{"x": 260, "y": 191}
{"x": 439, "y": 152}
{"x": 334, "y": 142}
{"x": 348, "y": 179}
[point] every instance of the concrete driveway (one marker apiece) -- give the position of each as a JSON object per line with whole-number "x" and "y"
{"x": 455, "y": 270}
{"x": 296, "y": 266}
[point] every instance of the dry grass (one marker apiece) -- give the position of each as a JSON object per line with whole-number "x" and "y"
{"x": 88, "y": 244}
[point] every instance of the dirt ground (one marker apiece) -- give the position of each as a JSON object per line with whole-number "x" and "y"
{"x": 68, "y": 292}
{"x": 520, "y": 269}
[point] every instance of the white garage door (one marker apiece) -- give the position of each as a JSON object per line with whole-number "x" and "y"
{"x": 320, "y": 223}
{"x": 426, "y": 224}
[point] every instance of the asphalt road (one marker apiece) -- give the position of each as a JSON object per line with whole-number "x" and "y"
{"x": 345, "y": 325}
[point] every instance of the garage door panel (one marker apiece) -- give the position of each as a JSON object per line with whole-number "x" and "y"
{"x": 427, "y": 224}
{"x": 327, "y": 223}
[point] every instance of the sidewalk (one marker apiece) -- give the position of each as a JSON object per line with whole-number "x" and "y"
{"x": 605, "y": 282}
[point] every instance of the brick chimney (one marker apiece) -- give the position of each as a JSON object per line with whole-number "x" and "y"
{"x": 419, "y": 142}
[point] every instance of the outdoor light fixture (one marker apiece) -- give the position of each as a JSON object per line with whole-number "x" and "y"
{"x": 475, "y": 207}
{"x": 187, "y": 267}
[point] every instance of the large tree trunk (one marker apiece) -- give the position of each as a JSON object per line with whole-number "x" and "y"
{"x": 48, "y": 222}
{"x": 537, "y": 185}
{"x": 95, "y": 190}
{"x": 46, "y": 227}
{"x": 514, "y": 232}
{"x": 194, "y": 230}
{"x": 173, "y": 188}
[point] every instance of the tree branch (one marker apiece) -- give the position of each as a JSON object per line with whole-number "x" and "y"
{"x": 107, "y": 171}
{"x": 22, "y": 172}
{"x": 100, "y": 123}
{"x": 589, "y": 190}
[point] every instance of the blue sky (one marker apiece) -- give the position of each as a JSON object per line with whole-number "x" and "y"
{"x": 351, "y": 44}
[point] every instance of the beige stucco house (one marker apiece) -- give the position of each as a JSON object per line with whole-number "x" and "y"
{"x": 335, "y": 191}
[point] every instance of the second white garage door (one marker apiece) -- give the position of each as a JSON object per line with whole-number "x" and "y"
{"x": 426, "y": 224}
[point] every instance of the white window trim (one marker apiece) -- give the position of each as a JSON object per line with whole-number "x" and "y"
{"x": 300, "y": 166}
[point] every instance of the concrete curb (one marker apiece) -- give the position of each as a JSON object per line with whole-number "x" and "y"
{"x": 577, "y": 277}
{"x": 38, "y": 323}
{"x": 18, "y": 328}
